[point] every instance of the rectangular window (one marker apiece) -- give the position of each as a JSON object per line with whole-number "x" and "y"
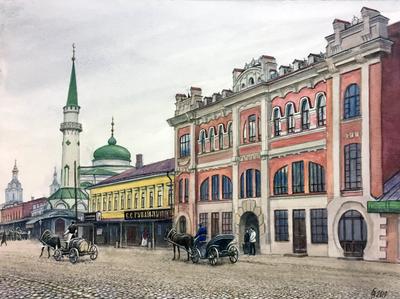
{"x": 170, "y": 194}
{"x": 215, "y": 187}
{"x": 143, "y": 200}
{"x": 186, "y": 190}
{"x": 115, "y": 201}
{"x": 281, "y": 225}
{"x": 109, "y": 202}
{"x": 129, "y": 201}
{"x": 185, "y": 145}
{"x": 249, "y": 183}
{"x": 226, "y": 187}
{"x": 252, "y": 128}
{"x": 226, "y": 222}
{"x": 136, "y": 200}
{"x": 258, "y": 183}
{"x": 151, "y": 198}
{"x": 319, "y": 226}
{"x": 298, "y": 176}
{"x": 214, "y": 224}
{"x": 316, "y": 177}
{"x": 122, "y": 201}
{"x": 159, "y": 196}
{"x": 180, "y": 191}
{"x": 352, "y": 166}
{"x": 203, "y": 219}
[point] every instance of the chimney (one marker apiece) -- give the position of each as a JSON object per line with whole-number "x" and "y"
{"x": 139, "y": 161}
{"x": 268, "y": 65}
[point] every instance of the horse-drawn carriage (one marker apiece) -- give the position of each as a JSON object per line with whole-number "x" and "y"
{"x": 217, "y": 247}
{"x": 74, "y": 249}
{"x": 223, "y": 245}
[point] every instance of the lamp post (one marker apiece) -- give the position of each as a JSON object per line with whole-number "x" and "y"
{"x": 40, "y": 223}
{"x": 76, "y": 195}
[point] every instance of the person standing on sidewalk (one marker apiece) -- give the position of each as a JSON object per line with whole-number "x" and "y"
{"x": 4, "y": 239}
{"x": 253, "y": 239}
{"x": 247, "y": 242}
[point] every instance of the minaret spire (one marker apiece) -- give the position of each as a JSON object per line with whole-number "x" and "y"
{"x": 112, "y": 127}
{"x": 72, "y": 91}
{"x": 112, "y": 140}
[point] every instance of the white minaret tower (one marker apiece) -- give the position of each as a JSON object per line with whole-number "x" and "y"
{"x": 70, "y": 129}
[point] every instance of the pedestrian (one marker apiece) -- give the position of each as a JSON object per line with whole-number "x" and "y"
{"x": 246, "y": 248}
{"x": 4, "y": 239}
{"x": 145, "y": 236}
{"x": 253, "y": 239}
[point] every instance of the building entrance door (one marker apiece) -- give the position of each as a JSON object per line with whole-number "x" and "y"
{"x": 60, "y": 227}
{"x": 352, "y": 234}
{"x": 131, "y": 236}
{"x": 249, "y": 219}
{"x": 299, "y": 231}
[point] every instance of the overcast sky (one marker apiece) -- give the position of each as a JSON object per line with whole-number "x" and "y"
{"x": 132, "y": 58}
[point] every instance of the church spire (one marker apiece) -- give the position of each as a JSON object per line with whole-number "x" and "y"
{"x": 15, "y": 169}
{"x": 72, "y": 92}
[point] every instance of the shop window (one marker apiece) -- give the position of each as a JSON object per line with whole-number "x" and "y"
{"x": 281, "y": 225}
{"x": 319, "y": 226}
{"x": 226, "y": 222}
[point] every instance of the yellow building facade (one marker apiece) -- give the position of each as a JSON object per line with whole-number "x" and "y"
{"x": 134, "y": 205}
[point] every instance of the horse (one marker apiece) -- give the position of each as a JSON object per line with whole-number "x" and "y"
{"x": 49, "y": 240}
{"x": 183, "y": 240}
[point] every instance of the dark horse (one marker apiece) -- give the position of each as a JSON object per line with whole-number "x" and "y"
{"x": 49, "y": 240}
{"x": 183, "y": 240}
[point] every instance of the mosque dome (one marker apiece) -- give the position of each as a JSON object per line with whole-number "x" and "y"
{"x": 112, "y": 151}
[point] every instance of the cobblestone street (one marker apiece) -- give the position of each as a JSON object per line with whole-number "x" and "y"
{"x": 139, "y": 273}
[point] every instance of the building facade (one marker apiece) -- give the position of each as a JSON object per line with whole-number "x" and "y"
{"x": 298, "y": 151}
{"x": 126, "y": 205}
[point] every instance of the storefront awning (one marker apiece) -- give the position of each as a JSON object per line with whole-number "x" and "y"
{"x": 384, "y": 206}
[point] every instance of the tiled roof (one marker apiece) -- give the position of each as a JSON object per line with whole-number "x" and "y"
{"x": 147, "y": 170}
{"x": 391, "y": 189}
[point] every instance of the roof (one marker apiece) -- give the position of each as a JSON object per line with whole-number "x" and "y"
{"x": 96, "y": 171}
{"x": 147, "y": 170}
{"x": 391, "y": 188}
{"x": 72, "y": 91}
{"x": 68, "y": 193}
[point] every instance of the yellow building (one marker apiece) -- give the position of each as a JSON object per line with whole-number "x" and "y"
{"x": 134, "y": 204}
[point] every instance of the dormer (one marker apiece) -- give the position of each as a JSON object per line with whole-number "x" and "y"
{"x": 284, "y": 69}
{"x": 298, "y": 64}
{"x": 314, "y": 58}
{"x": 185, "y": 103}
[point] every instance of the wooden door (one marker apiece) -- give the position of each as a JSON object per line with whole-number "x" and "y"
{"x": 299, "y": 231}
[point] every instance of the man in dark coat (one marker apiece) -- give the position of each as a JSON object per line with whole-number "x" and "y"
{"x": 247, "y": 242}
{"x": 201, "y": 235}
{"x": 4, "y": 239}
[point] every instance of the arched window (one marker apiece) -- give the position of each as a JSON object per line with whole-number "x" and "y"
{"x": 258, "y": 183}
{"x": 212, "y": 139}
{"x": 290, "y": 118}
{"x": 305, "y": 115}
{"x": 249, "y": 183}
{"x": 230, "y": 135}
{"x": 277, "y": 122}
{"x": 215, "y": 187}
{"x": 251, "y": 81}
{"x": 221, "y": 137}
{"x": 226, "y": 187}
{"x": 242, "y": 185}
{"x": 204, "y": 189}
{"x": 281, "y": 181}
{"x": 180, "y": 190}
{"x": 185, "y": 145}
{"x": 352, "y": 166}
{"x": 352, "y": 101}
{"x": 243, "y": 85}
{"x": 353, "y": 233}
{"x": 182, "y": 224}
{"x": 252, "y": 128}
{"x": 245, "y": 132}
{"x": 203, "y": 141}
{"x": 321, "y": 110}
{"x": 316, "y": 175}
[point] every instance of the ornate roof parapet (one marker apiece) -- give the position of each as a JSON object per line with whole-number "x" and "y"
{"x": 185, "y": 103}
{"x": 348, "y": 35}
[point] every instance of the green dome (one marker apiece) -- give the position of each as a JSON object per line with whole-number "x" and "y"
{"x": 112, "y": 151}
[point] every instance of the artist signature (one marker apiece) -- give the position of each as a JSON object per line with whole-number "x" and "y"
{"x": 376, "y": 293}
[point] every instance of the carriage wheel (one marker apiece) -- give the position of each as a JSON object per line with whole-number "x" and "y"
{"x": 73, "y": 255}
{"x": 213, "y": 256}
{"x": 57, "y": 255}
{"x": 94, "y": 252}
{"x": 233, "y": 254}
{"x": 195, "y": 255}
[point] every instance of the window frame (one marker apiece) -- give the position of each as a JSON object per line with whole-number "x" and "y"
{"x": 298, "y": 177}
{"x": 319, "y": 226}
{"x": 281, "y": 177}
{"x": 227, "y": 223}
{"x": 252, "y": 126}
{"x": 321, "y": 110}
{"x": 184, "y": 146}
{"x": 290, "y": 122}
{"x": 281, "y": 224}
{"x": 352, "y": 167}
{"x": 205, "y": 190}
{"x": 305, "y": 114}
{"x": 316, "y": 178}
{"x": 352, "y": 100}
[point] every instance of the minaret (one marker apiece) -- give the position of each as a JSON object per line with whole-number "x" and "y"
{"x": 14, "y": 189}
{"x": 54, "y": 185}
{"x": 70, "y": 129}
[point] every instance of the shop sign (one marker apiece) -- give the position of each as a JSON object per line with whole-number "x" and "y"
{"x": 149, "y": 214}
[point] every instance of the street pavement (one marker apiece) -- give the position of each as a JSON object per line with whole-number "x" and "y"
{"x": 142, "y": 273}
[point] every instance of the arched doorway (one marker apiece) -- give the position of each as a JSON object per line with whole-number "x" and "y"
{"x": 60, "y": 227}
{"x": 249, "y": 219}
{"x": 182, "y": 225}
{"x": 352, "y": 233}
